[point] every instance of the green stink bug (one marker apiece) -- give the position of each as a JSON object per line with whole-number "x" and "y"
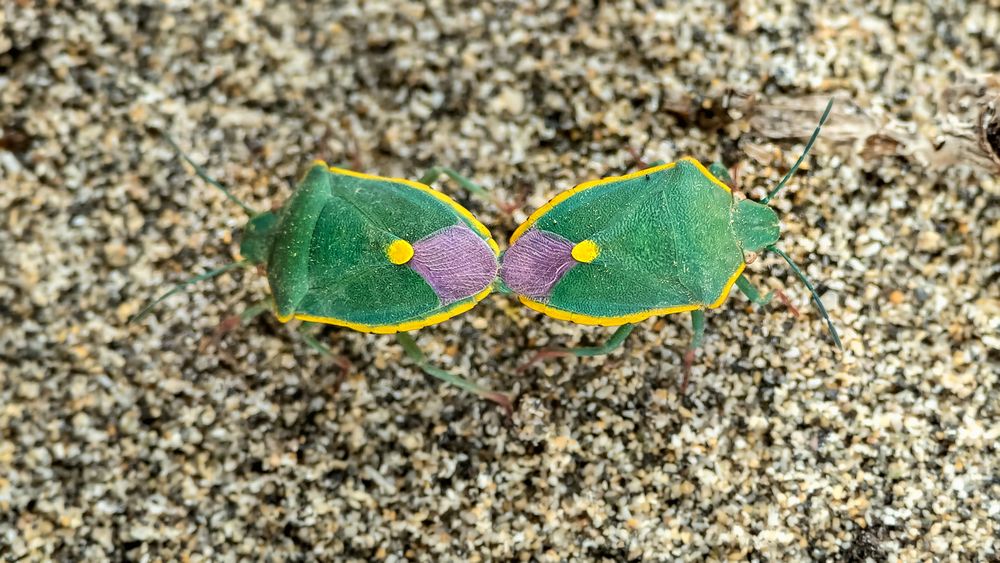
{"x": 368, "y": 253}
{"x": 668, "y": 239}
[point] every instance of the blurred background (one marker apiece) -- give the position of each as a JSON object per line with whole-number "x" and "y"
{"x": 167, "y": 440}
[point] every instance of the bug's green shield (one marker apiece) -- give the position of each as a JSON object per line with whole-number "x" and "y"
{"x": 622, "y": 249}
{"x": 387, "y": 255}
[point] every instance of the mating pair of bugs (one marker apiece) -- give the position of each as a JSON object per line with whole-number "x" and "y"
{"x": 388, "y": 255}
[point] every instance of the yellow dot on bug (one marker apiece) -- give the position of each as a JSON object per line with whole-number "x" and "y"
{"x": 586, "y": 251}
{"x": 399, "y": 252}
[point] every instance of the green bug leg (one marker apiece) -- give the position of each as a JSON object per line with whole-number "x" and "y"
{"x": 698, "y": 327}
{"x": 732, "y": 180}
{"x": 613, "y": 342}
{"x": 754, "y": 296}
{"x": 305, "y": 331}
{"x": 183, "y": 285}
{"x": 720, "y": 171}
{"x": 417, "y": 355}
{"x": 812, "y": 290}
{"x": 434, "y": 173}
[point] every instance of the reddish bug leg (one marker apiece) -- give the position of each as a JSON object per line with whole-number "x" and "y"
{"x": 698, "y": 327}
{"x": 729, "y": 177}
{"x": 353, "y": 153}
{"x": 737, "y": 175}
{"x": 640, "y": 164}
{"x": 614, "y": 341}
{"x": 544, "y": 354}
{"x": 787, "y": 302}
{"x": 233, "y": 322}
{"x": 356, "y": 153}
{"x": 754, "y": 296}
{"x": 688, "y": 360}
{"x": 342, "y": 362}
{"x": 518, "y": 203}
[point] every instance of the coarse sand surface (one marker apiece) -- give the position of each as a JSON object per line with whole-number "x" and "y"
{"x": 170, "y": 440}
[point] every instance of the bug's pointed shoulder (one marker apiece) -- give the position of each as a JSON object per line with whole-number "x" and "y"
{"x": 692, "y": 168}
{"x": 317, "y": 173}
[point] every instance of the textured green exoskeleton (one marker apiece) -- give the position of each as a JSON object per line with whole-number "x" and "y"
{"x": 668, "y": 239}
{"x": 373, "y": 254}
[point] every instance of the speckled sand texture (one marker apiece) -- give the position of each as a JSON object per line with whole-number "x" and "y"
{"x": 154, "y": 441}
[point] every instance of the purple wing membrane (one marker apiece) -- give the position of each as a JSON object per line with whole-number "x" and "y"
{"x": 455, "y": 262}
{"x": 536, "y": 262}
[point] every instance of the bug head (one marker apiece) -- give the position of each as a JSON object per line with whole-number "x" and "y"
{"x": 753, "y": 225}
{"x": 255, "y": 247}
{"x": 258, "y": 236}
{"x": 756, "y": 226}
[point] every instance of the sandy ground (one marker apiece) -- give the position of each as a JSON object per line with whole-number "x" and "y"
{"x": 152, "y": 441}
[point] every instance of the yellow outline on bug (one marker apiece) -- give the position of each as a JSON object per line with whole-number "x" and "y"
{"x": 443, "y": 197}
{"x": 579, "y": 318}
{"x": 455, "y": 310}
{"x": 563, "y": 196}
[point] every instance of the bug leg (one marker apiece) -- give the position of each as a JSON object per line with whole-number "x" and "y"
{"x": 720, "y": 171}
{"x": 435, "y": 172}
{"x": 787, "y": 302}
{"x": 230, "y": 323}
{"x": 751, "y": 292}
{"x": 613, "y": 342}
{"x": 753, "y": 295}
{"x": 417, "y": 355}
{"x": 737, "y": 174}
{"x": 637, "y": 160}
{"x": 181, "y": 286}
{"x": 305, "y": 329}
{"x": 641, "y": 164}
{"x": 698, "y": 328}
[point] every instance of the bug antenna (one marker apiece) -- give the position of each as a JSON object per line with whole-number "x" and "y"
{"x": 204, "y": 176}
{"x": 815, "y": 296}
{"x": 795, "y": 167}
{"x": 181, "y": 286}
